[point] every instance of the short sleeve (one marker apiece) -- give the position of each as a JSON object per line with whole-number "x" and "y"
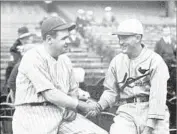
{"x": 34, "y": 67}
{"x": 110, "y": 78}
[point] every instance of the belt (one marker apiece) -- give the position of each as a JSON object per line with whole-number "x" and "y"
{"x": 39, "y": 104}
{"x": 135, "y": 99}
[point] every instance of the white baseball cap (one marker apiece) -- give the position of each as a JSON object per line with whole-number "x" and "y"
{"x": 129, "y": 27}
{"x": 107, "y": 8}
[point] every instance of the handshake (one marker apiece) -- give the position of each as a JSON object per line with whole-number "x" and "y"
{"x": 91, "y": 108}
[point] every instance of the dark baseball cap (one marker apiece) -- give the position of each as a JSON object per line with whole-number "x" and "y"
{"x": 23, "y": 32}
{"x": 55, "y": 24}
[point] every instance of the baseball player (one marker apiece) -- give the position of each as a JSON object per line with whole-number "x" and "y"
{"x": 47, "y": 94}
{"x": 137, "y": 81}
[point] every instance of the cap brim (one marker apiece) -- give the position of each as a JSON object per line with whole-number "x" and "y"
{"x": 69, "y": 26}
{"x": 24, "y": 35}
{"x": 123, "y": 33}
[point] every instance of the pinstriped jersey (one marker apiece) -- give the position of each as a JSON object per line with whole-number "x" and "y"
{"x": 144, "y": 75}
{"x": 45, "y": 73}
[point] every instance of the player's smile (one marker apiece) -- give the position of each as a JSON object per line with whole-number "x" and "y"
{"x": 124, "y": 47}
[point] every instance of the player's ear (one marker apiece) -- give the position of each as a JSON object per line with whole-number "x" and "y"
{"x": 49, "y": 39}
{"x": 138, "y": 37}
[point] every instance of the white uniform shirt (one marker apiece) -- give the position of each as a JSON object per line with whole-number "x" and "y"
{"x": 39, "y": 72}
{"x": 152, "y": 84}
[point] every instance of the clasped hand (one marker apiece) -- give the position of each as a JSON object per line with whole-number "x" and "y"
{"x": 92, "y": 109}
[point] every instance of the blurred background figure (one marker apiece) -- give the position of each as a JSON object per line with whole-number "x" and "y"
{"x": 80, "y": 21}
{"x": 74, "y": 38}
{"x": 24, "y": 36}
{"x": 109, "y": 17}
{"x": 166, "y": 46}
{"x": 90, "y": 18}
{"x": 27, "y": 44}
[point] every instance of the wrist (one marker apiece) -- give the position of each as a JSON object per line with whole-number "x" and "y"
{"x": 151, "y": 123}
{"x": 99, "y": 107}
{"x": 103, "y": 104}
{"x": 81, "y": 105}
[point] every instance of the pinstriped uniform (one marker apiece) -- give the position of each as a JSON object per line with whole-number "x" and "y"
{"x": 36, "y": 120}
{"x": 80, "y": 126}
{"x": 37, "y": 73}
{"x": 153, "y": 74}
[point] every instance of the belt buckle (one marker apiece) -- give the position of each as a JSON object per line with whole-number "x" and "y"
{"x": 45, "y": 104}
{"x": 134, "y": 100}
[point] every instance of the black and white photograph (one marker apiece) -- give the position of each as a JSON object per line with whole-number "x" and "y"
{"x": 88, "y": 67}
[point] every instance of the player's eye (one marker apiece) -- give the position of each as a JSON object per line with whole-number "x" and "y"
{"x": 65, "y": 37}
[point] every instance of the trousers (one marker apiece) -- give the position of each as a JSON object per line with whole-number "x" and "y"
{"x": 131, "y": 118}
{"x": 48, "y": 120}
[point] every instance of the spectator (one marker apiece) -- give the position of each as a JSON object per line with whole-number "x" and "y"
{"x": 23, "y": 35}
{"x": 89, "y": 18}
{"x": 11, "y": 82}
{"x": 81, "y": 21}
{"x": 166, "y": 47}
{"x": 108, "y": 18}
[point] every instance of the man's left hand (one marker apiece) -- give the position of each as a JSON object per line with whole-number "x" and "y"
{"x": 147, "y": 130}
{"x": 69, "y": 115}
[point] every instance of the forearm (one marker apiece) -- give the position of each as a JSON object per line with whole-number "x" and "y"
{"x": 82, "y": 105}
{"x": 158, "y": 92}
{"x": 157, "y": 102}
{"x": 60, "y": 99}
{"x": 108, "y": 98}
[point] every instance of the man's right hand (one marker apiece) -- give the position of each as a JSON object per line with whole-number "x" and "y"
{"x": 83, "y": 106}
{"x": 89, "y": 108}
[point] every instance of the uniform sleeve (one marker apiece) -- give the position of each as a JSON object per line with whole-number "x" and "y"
{"x": 108, "y": 97}
{"x": 158, "y": 90}
{"x": 36, "y": 71}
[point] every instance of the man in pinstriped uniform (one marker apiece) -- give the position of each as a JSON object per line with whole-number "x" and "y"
{"x": 137, "y": 80}
{"x": 47, "y": 94}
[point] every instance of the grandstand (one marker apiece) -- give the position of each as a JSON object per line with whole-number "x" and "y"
{"x": 17, "y": 14}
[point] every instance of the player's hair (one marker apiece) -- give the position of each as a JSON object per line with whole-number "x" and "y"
{"x": 52, "y": 33}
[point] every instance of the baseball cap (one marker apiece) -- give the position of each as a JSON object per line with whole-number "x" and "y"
{"x": 55, "y": 23}
{"x": 107, "y": 8}
{"x": 23, "y": 32}
{"x": 129, "y": 27}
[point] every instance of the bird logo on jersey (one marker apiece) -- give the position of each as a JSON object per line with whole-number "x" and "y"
{"x": 129, "y": 82}
{"x": 142, "y": 71}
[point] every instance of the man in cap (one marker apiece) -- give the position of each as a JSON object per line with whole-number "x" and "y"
{"x": 24, "y": 36}
{"x": 135, "y": 81}
{"x": 11, "y": 82}
{"x": 109, "y": 18}
{"x": 46, "y": 91}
